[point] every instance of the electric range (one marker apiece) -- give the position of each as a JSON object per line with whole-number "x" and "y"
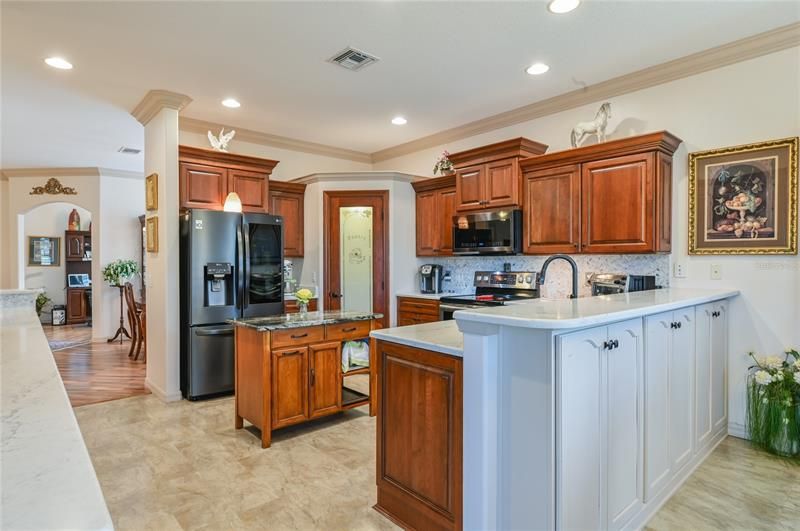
{"x": 492, "y": 288}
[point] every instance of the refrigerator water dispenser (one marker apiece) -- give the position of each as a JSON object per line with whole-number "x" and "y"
{"x": 219, "y": 284}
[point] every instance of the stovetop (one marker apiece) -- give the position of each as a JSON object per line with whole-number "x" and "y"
{"x": 495, "y": 288}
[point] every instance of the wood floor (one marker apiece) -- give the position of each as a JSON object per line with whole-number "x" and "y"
{"x": 95, "y": 372}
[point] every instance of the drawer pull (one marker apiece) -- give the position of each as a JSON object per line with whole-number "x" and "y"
{"x": 351, "y": 329}
{"x": 299, "y": 336}
{"x": 291, "y": 353}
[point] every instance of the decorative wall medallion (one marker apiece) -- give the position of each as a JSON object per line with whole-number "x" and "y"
{"x": 53, "y": 187}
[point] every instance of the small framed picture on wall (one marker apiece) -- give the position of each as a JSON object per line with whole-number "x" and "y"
{"x": 743, "y": 199}
{"x": 151, "y": 192}
{"x": 151, "y": 227}
{"x": 44, "y": 251}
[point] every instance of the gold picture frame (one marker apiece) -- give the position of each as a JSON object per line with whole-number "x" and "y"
{"x": 151, "y": 228}
{"x": 151, "y": 192}
{"x": 44, "y": 251}
{"x": 743, "y": 199}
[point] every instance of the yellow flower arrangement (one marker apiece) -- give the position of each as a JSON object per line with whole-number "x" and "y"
{"x": 303, "y": 295}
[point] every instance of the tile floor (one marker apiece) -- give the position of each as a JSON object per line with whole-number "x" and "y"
{"x": 183, "y": 466}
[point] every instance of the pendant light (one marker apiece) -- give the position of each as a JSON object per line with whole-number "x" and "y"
{"x": 232, "y": 203}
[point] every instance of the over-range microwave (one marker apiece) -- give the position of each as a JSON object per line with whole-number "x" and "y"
{"x": 491, "y": 232}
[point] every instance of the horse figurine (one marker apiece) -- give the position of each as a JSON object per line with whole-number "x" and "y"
{"x": 596, "y": 126}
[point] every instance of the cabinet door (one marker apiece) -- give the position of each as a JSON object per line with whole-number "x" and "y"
{"x": 325, "y": 391}
{"x": 719, "y": 367}
{"x": 579, "y": 467}
{"x": 76, "y": 305}
{"x": 552, "y": 210}
{"x": 471, "y": 188}
{"x": 427, "y": 224}
{"x": 203, "y": 186}
{"x": 657, "y": 352}
{"x": 446, "y": 209}
{"x": 252, "y": 188}
{"x": 290, "y": 208}
{"x": 704, "y": 315}
{"x": 624, "y": 443}
{"x": 617, "y": 205}
{"x": 681, "y": 389}
{"x": 289, "y": 386}
{"x": 74, "y": 247}
{"x": 502, "y": 184}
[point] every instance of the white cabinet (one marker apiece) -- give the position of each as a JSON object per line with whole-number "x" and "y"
{"x": 711, "y": 392}
{"x": 600, "y": 436}
{"x": 668, "y": 396}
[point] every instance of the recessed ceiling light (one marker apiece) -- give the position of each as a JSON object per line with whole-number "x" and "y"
{"x": 231, "y": 103}
{"x": 58, "y": 62}
{"x": 399, "y": 120}
{"x": 563, "y": 6}
{"x": 537, "y": 69}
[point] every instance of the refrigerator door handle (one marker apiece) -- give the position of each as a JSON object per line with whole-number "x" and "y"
{"x": 240, "y": 268}
{"x": 215, "y": 332}
{"x": 246, "y": 233}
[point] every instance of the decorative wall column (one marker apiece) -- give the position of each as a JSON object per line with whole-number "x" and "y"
{"x": 158, "y": 113}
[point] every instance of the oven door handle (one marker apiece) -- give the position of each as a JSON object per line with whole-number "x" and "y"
{"x": 456, "y": 307}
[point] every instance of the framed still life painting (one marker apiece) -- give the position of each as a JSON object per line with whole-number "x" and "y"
{"x": 743, "y": 199}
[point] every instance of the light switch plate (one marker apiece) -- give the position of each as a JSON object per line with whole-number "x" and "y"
{"x": 679, "y": 269}
{"x": 716, "y": 272}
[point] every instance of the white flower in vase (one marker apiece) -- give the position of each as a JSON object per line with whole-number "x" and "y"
{"x": 773, "y": 362}
{"x": 778, "y": 376}
{"x": 763, "y": 378}
{"x": 797, "y": 377}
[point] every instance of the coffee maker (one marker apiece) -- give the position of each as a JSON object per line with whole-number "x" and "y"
{"x": 430, "y": 278}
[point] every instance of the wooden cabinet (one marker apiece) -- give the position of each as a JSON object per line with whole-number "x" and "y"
{"x": 289, "y": 386}
{"x": 553, "y": 208}
{"x": 287, "y": 200}
{"x": 419, "y": 454}
{"x": 435, "y": 206}
{"x": 291, "y": 306}
{"x": 669, "y": 367}
{"x": 613, "y": 197}
{"x": 207, "y": 177}
{"x": 325, "y": 389}
{"x": 489, "y": 177}
{"x": 712, "y": 371}
{"x": 600, "y": 385}
{"x": 289, "y": 376}
{"x": 77, "y": 306}
{"x": 74, "y": 244}
{"x": 416, "y": 310}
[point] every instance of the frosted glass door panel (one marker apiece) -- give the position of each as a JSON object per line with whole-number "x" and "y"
{"x": 355, "y": 224}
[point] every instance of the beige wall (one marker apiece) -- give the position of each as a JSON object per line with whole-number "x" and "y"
{"x": 746, "y": 102}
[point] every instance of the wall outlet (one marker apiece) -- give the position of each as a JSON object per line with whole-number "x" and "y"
{"x": 716, "y": 272}
{"x": 679, "y": 269}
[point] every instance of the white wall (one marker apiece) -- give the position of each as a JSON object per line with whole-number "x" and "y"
{"x": 402, "y": 245}
{"x": 50, "y": 220}
{"x": 292, "y": 164}
{"x": 746, "y": 102}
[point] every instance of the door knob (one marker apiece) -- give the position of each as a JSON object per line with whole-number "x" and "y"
{"x": 335, "y": 295}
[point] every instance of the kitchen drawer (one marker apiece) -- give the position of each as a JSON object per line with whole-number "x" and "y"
{"x": 297, "y": 336}
{"x": 405, "y": 319}
{"x": 410, "y": 305}
{"x": 347, "y": 331}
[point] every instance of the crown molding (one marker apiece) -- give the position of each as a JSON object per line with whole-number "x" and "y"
{"x": 193, "y": 125}
{"x": 358, "y": 176}
{"x": 123, "y": 174}
{"x": 748, "y": 48}
{"x": 155, "y": 100}
{"x": 51, "y": 172}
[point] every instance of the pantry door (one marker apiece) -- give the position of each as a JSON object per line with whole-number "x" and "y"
{"x": 356, "y": 248}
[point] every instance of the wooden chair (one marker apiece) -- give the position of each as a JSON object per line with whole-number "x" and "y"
{"x": 136, "y": 318}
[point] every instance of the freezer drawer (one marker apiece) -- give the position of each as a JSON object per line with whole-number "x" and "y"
{"x": 210, "y": 361}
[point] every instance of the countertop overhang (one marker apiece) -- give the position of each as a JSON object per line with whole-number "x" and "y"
{"x": 299, "y": 320}
{"x": 440, "y": 336}
{"x": 559, "y": 314}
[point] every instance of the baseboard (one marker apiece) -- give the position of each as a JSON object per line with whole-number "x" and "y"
{"x": 738, "y": 430}
{"x": 161, "y": 394}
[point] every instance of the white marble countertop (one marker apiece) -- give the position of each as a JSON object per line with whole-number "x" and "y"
{"x": 432, "y": 296}
{"x": 556, "y": 314}
{"x": 441, "y": 336}
{"x": 48, "y": 481}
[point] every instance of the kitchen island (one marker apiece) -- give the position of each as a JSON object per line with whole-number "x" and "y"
{"x": 577, "y": 414}
{"x": 289, "y": 368}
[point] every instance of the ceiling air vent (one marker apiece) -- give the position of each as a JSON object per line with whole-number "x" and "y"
{"x": 129, "y": 151}
{"x": 353, "y": 59}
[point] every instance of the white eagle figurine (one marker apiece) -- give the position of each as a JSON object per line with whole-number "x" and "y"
{"x": 221, "y": 143}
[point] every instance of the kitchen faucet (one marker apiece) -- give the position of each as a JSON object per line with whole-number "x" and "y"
{"x": 572, "y": 264}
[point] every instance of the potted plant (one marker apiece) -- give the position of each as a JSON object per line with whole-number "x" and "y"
{"x": 443, "y": 165}
{"x": 41, "y": 301}
{"x": 117, "y": 273}
{"x": 773, "y": 404}
{"x": 303, "y": 296}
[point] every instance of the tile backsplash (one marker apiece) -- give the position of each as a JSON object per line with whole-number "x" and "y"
{"x": 461, "y": 270}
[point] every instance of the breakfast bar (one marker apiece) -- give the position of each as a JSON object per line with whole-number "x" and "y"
{"x": 289, "y": 368}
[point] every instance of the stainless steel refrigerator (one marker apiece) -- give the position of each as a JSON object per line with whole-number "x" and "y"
{"x": 231, "y": 266}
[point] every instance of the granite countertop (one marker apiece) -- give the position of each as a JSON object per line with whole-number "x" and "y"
{"x": 441, "y": 336}
{"x": 556, "y": 314}
{"x": 297, "y": 320}
{"x": 48, "y": 481}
